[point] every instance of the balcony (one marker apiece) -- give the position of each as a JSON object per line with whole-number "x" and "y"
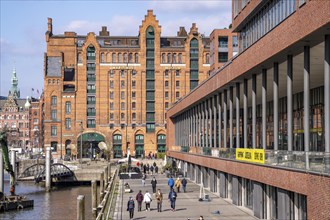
{"x": 91, "y": 114}
{"x": 313, "y": 162}
{"x": 91, "y": 90}
{"x": 91, "y": 78}
{"x": 91, "y": 102}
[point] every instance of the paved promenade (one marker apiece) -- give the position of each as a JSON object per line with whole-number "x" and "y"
{"x": 187, "y": 204}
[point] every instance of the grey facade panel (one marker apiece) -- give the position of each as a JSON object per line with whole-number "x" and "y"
{"x": 223, "y": 185}
{"x": 54, "y": 65}
{"x": 258, "y": 200}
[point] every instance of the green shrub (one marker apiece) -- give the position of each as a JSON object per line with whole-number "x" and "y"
{"x": 161, "y": 156}
{"x": 123, "y": 168}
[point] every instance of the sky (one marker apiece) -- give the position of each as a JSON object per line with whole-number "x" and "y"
{"x": 23, "y": 25}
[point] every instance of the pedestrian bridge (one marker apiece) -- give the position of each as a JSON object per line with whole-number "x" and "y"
{"x": 38, "y": 172}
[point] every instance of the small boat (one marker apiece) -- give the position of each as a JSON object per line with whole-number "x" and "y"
{"x": 8, "y": 203}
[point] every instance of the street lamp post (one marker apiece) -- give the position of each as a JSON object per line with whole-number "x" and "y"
{"x": 81, "y": 133}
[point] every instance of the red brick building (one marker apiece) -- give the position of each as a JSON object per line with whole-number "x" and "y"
{"x": 257, "y": 132}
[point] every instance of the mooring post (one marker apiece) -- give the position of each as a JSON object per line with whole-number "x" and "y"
{"x": 109, "y": 171}
{"x": 81, "y": 207}
{"x": 48, "y": 179}
{"x": 94, "y": 198}
{"x": 101, "y": 186}
{"x": 2, "y": 171}
{"x": 106, "y": 177}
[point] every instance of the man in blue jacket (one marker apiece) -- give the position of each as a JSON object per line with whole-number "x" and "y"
{"x": 172, "y": 197}
{"x": 170, "y": 182}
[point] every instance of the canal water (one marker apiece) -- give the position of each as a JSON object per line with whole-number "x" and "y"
{"x": 60, "y": 203}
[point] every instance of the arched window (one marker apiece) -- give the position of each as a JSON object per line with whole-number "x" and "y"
{"x": 168, "y": 58}
{"x": 161, "y": 143}
{"x": 174, "y": 58}
{"x": 79, "y": 58}
{"x": 207, "y": 58}
{"x": 122, "y": 116}
{"x": 180, "y": 58}
{"x": 114, "y": 58}
{"x": 125, "y": 57}
{"x": 120, "y": 58}
{"x": 133, "y": 116}
{"x": 130, "y": 58}
{"x": 136, "y": 58}
{"x": 163, "y": 58}
{"x": 91, "y": 53}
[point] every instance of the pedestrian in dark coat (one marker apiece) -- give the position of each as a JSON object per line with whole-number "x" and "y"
{"x": 148, "y": 168}
{"x": 154, "y": 164}
{"x": 139, "y": 198}
{"x": 144, "y": 169}
{"x": 172, "y": 197}
{"x": 152, "y": 170}
{"x": 184, "y": 184}
{"x": 154, "y": 184}
{"x": 156, "y": 169}
{"x": 130, "y": 207}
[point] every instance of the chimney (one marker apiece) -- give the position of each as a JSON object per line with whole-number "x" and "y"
{"x": 182, "y": 32}
{"x": 104, "y": 31}
{"x": 50, "y": 25}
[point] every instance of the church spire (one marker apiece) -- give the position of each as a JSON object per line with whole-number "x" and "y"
{"x": 14, "y": 91}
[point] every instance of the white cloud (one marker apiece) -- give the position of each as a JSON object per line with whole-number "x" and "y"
{"x": 81, "y": 27}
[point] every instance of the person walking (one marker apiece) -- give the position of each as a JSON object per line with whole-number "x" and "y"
{"x": 156, "y": 169}
{"x": 170, "y": 182}
{"x": 159, "y": 198}
{"x": 152, "y": 170}
{"x": 147, "y": 200}
{"x": 184, "y": 184}
{"x": 153, "y": 184}
{"x": 172, "y": 198}
{"x": 139, "y": 198}
{"x": 143, "y": 179}
{"x": 178, "y": 184}
{"x": 130, "y": 207}
{"x": 144, "y": 169}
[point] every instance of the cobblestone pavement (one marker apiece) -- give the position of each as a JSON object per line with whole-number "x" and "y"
{"x": 187, "y": 204}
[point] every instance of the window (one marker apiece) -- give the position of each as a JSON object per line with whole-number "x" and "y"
{"x": 53, "y": 131}
{"x": 133, "y": 84}
{"x": 166, "y": 84}
{"x": 111, "y": 73}
{"x": 35, "y": 121}
{"x": 133, "y": 116}
{"x": 150, "y": 127}
{"x": 122, "y": 83}
{"x": 133, "y": 73}
{"x": 223, "y": 41}
{"x": 166, "y": 95}
{"x": 111, "y": 84}
{"x": 53, "y": 146}
{"x": 122, "y": 116}
{"x": 133, "y": 105}
{"x": 54, "y": 100}
{"x": 120, "y": 58}
{"x": 177, "y": 84}
{"x": 177, "y": 94}
{"x": 91, "y": 123}
{"x": 130, "y": 58}
{"x": 207, "y": 58}
{"x": 177, "y": 73}
{"x": 102, "y": 57}
{"x": 20, "y": 125}
{"x": 136, "y": 58}
{"x": 163, "y": 58}
{"x": 122, "y": 73}
{"x": 111, "y": 116}
{"x": 67, "y": 107}
{"x": 122, "y": 95}
{"x": 122, "y": 106}
{"x": 180, "y": 58}
{"x": 222, "y": 57}
{"x": 68, "y": 123}
{"x": 91, "y": 53}
{"x": 174, "y": 58}
{"x": 166, "y": 74}
{"x": 111, "y": 106}
{"x": 125, "y": 57}
{"x": 111, "y": 95}
{"x": 133, "y": 95}
{"x": 166, "y": 105}
{"x": 113, "y": 57}
{"x": 54, "y": 114}
{"x": 79, "y": 58}
{"x": 168, "y": 58}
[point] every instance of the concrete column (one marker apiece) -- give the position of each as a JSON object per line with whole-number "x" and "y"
{"x": 289, "y": 100}
{"x": 237, "y": 115}
{"x": 245, "y": 117}
{"x": 203, "y": 125}
{"x": 225, "y": 119}
{"x": 81, "y": 207}
{"x": 306, "y": 102}
{"x": 215, "y": 121}
{"x": 101, "y": 186}
{"x": 264, "y": 106}
{"x": 275, "y": 103}
{"x": 254, "y": 110}
{"x": 220, "y": 118}
{"x": 94, "y": 198}
{"x": 210, "y": 122}
{"x": 48, "y": 179}
{"x": 2, "y": 171}
{"x": 109, "y": 171}
{"x": 327, "y": 96}
{"x": 199, "y": 125}
{"x": 231, "y": 138}
{"x": 206, "y": 123}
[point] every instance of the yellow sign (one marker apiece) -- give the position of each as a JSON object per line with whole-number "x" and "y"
{"x": 122, "y": 67}
{"x": 250, "y": 155}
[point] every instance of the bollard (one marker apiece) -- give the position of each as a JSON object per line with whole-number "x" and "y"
{"x": 109, "y": 171}
{"x": 48, "y": 179}
{"x": 81, "y": 207}
{"x": 101, "y": 186}
{"x": 94, "y": 198}
{"x": 2, "y": 171}
{"x": 13, "y": 161}
{"x": 106, "y": 177}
